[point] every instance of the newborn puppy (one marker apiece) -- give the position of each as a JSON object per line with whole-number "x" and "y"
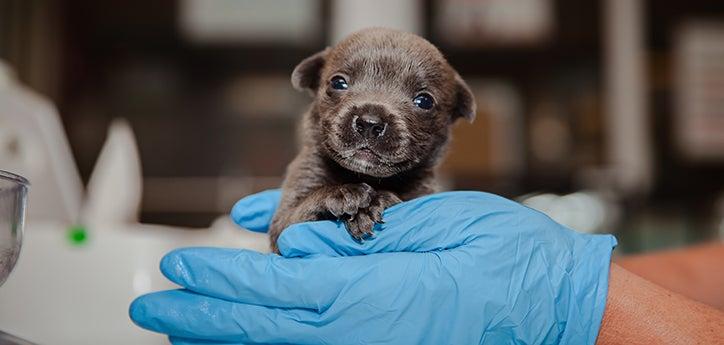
{"x": 384, "y": 101}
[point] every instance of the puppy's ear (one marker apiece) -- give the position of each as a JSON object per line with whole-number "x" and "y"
{"x": 306, "y": 74}
{"x": 464, "y": 105}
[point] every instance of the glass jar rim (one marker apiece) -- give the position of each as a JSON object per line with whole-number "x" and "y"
{"x": 6, "y": 175}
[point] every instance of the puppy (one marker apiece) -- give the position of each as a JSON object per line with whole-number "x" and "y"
{"x": 384, "y": 101}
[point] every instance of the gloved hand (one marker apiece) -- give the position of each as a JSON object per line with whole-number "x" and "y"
{"x": 449, "y": 268}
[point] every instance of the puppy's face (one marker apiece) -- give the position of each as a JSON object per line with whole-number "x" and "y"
{"x": 384, "y": 101}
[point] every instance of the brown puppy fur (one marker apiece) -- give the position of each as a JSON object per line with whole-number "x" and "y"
{"x": 366, "y": 143}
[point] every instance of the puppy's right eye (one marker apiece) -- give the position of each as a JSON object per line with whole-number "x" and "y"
{"x": 338, "y": 83}
{"x": 423, "y": 101}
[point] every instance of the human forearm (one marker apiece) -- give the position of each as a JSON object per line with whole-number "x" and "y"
{"x": 695, "y": 272}
{"x": 640, "y": 312}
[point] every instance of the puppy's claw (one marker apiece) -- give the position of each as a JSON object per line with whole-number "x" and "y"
{"x": 377, "y": 217}
{"x": 382, "y": 201}
{"x": 361, "y": 227}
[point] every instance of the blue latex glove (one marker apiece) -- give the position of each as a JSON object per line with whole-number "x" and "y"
{"x": 255, "y": 212}
{"x": 449, "y": 268}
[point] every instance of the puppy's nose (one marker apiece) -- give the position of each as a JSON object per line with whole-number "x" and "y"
{"x": 370, "y": 126}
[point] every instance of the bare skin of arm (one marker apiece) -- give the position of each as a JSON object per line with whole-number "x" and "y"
{"x": 696, "y": 272}
{"x": 641, "y": 312}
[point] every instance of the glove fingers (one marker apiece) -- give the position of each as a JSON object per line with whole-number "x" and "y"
{"x": 198, "y": 319}
{"x": 411, "y": 226}
{"x": 255, "y": 211}
{"x": 254, "y": 278}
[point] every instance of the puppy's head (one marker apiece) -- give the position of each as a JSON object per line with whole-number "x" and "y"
{"x": 384, "y": 101}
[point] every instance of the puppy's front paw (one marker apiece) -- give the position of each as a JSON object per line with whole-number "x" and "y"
{"x": 380, "y": 202}
{"x": 349, "y": 203}
{"x": 360, "y": 207}
{"x": 348, "y": 199}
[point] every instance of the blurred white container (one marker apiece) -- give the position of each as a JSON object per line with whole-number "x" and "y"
{"x": 66, "y": 291}
{"x": 61, "y": 293}
{"x": 115, "y": 187}
{"x": 33, "y": 144}
{"x": 73, "y": 291}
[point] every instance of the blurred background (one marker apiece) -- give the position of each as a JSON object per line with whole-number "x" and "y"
{"x": 606, "y": 114}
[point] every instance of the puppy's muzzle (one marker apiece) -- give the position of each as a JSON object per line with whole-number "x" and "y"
{"x": 370, "y": 126}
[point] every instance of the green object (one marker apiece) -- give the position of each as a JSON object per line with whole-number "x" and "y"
{"x": 77, "y": 235}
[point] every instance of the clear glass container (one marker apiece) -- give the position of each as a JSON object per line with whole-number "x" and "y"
{"x": 13, "y": 199}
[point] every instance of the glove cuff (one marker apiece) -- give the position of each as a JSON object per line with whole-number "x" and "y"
{"x": 588, "y": 288}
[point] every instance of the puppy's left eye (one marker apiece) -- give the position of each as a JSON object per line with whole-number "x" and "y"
{"x": 338, "y": 83}
{"x": 424, "y": 101}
